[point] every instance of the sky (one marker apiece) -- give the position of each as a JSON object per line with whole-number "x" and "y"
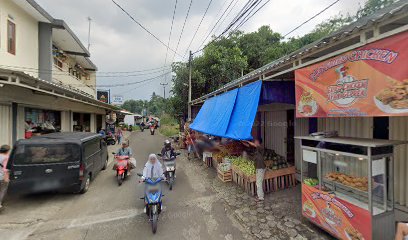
{"x": 120, "y": 45}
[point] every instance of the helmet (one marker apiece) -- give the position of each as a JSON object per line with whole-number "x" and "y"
{"x": 167, "y": 143}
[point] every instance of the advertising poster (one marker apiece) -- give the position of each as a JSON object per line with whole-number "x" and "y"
{"x": 103, "y": 96}
{"x": 368, "y": 81}
{"x": 340, "y": 218}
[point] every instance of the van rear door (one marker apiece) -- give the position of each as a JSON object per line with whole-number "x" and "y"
{"x": 44, "y": 167}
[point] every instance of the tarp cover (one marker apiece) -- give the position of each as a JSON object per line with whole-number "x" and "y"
{"x": 230, "y": 115}
{"x": 214, "y": 116}
{"x": 243, "y": 115}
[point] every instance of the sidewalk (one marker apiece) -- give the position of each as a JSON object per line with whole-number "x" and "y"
{"x": 278, "y": 217}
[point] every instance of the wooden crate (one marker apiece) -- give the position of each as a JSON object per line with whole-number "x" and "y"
{"x": 224, "y": 176}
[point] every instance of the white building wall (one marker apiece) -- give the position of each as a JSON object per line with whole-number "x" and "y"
{"x": 5, "y": 125}
{"x": 276, "y": 131}
{"x": 93, "y": 123}
{"x": 66, "y": 121}
{"x": 26, "y": 38}
{"x": 399, "y": 131}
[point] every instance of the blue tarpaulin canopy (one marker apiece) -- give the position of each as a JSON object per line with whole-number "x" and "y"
{"x": 230, "y": 115}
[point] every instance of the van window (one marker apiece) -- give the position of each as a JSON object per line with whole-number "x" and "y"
{"x": 43, "y": 154}
{"x": 92, "y": 147}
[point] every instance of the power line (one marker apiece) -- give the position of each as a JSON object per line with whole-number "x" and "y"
{"x": 317, "y": 14}
{"x": 144, "y": 28}
{"x": 65, "y": 73}
{"x": 240, "y": 16}
{"x": 199, "y": 25}
{"x": 171, "y": 30}
{"x": 250, "y": 16}
{"x": 226, "y": 16}
{"x": 182, "y": 29}
{"x": 209, "y": 33}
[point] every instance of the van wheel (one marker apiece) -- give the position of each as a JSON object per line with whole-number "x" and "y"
{"x": 106, "y": 164}
{"x": 86, "y": 186}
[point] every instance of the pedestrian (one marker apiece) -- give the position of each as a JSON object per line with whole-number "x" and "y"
{"x": 190, "y": 143}
{"x": 260, "y": 167}
{"x": 119, "y": 135}
{"x": 4, "y": 175}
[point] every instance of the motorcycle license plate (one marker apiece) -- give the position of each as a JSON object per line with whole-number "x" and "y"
{"x": 169, "y": 169}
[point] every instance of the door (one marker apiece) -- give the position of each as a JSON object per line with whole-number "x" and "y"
{"x": 45, "y": 167}
{"x": 92, "y": 156}
{"x": 276, "y": 131}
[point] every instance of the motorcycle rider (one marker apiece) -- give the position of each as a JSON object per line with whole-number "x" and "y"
{"x": 168, "y": 152}
{"x": 152, "y": 169}
{"x": 125, "y": 150}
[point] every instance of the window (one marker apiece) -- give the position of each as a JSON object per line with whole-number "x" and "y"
{"x": 92, "y": 147}
{"x": 11, "y": 37}
{"x": 46, "y": 153}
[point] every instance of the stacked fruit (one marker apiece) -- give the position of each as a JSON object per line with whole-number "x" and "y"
{"x": 243, "y": 164}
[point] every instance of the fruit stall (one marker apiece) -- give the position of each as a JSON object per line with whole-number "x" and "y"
{"x": 234, "y": 162}
{"x": 347, "y": 186}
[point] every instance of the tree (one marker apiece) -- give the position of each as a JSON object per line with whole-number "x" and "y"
{"x": 226, "y": 58}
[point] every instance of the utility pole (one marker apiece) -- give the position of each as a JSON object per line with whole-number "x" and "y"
{"x": 164, "y": 89}
{"x": 190, "y": 59}
{"x": 89, "y": 33}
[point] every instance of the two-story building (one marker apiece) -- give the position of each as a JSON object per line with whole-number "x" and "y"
{"x": 47, "y": 80}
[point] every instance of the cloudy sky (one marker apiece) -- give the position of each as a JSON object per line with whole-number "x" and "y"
{"x": 119, "y": 44}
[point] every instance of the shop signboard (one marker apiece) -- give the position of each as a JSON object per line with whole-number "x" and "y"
{"x": 340, "y": 218}
{"x": 103, "y": 96}
{"x": 369, "y": 81}
{"x": 117, "y": 99}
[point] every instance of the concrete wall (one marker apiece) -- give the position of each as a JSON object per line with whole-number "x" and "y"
{"x": 5, "y": 123}
{"x": 26, "y": 38}
{"x": 45, "y": 51}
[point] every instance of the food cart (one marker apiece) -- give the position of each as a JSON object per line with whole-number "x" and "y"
{"x": 347, "y": 186}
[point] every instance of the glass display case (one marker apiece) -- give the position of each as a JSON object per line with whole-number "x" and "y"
{"x": 347, "y": 186}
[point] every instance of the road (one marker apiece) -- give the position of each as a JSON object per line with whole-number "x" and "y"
{"x": 108, "y": 211}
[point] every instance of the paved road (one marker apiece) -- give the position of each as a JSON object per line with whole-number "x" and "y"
{"x": 107, "y": 211}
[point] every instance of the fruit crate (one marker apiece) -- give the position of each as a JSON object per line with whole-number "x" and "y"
{"x": 224, "y": 176}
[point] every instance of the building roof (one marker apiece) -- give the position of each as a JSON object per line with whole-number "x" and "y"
{"x": 25, "y": 80}
{"x": 398, "y": 8}
{"x": 62, "y": 35}
{"x": 66, "y": 39}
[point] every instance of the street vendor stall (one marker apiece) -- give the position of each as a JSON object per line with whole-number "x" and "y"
{"x": 347, "y": 186}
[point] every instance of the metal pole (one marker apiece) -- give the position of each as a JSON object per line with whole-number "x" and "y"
{"x": 89, "y": 33}
{"x": 189, "y": 85}
{"x": 164, "y": 89}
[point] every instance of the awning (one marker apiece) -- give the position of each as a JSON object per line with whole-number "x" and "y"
{"x": 214, "y": 116}
{"x": 230, "y": 115}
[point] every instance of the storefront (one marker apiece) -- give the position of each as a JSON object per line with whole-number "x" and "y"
{"x": 353, "y": 81}
{"x": 41, "y": 121}
{"x": 81, "y": 122}
{"x": 30, "y": 106}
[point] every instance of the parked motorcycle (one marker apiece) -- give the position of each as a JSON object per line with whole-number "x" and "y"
{"x": 122, "y": 163}
{"x": 170, "y": 168}
{"x": 153, "y": 200}
{"x": 152, "y": 129}
{"x": 110, "y": 139}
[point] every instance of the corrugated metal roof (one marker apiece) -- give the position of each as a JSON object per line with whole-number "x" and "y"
{"x": 397, "y": 8}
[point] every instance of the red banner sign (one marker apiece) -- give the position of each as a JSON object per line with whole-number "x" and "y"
{"x": 369, "y": 81}
{"x": 340, "y": 218}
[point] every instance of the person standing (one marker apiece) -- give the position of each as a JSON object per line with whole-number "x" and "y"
{"x": 4, "y": 175}
{"x": 190, "y": 143}
{"x": 119, "y": 135}
{"x": 259, "y": 166}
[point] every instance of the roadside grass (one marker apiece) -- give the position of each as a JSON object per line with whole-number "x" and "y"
{"x": 168, "y": 126}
